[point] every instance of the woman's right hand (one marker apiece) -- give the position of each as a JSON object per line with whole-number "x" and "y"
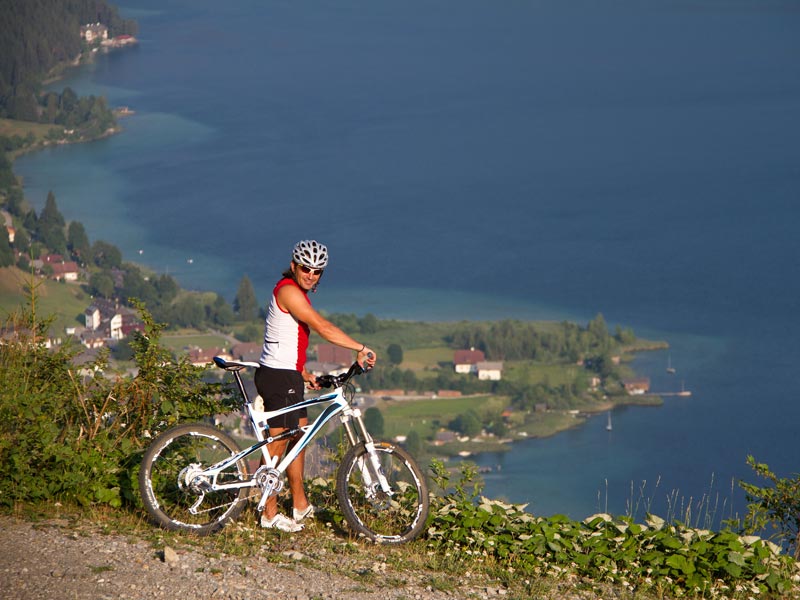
{"x": 366, "y": 357}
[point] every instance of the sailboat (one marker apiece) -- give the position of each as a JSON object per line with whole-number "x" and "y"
{"x": 670, "y": 368}
{"x": 608, "y": 425}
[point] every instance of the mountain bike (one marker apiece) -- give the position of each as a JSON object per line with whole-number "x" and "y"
{"x": 194, "y": 477}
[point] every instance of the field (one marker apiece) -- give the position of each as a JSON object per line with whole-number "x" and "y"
{"x": 178, "y": 341}
{"x": 24, "y": 129}
{"x": 65, "y": 302}
{"x": 428, "y": 415}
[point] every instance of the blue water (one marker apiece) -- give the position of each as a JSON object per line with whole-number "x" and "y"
{"x": 472, "y": 160}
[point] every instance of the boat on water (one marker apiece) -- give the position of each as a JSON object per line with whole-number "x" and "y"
{"x": 608, "y": 425}
{"x": 670, "y": 369}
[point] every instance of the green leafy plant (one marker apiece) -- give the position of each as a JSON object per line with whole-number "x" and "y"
{"x": 653, "y": 556}
{"x": 76, "y": 433}
{"x": 776, "y": 506}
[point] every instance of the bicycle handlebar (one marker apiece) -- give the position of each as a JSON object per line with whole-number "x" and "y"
{"x": 324, "y": 381}
{"x": 327, "y": 381}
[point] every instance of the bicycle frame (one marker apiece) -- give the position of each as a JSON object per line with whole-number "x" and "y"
{"x": 268, "y": 476}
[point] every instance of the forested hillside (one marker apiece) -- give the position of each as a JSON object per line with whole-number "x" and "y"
{"x": 38, "y": 35}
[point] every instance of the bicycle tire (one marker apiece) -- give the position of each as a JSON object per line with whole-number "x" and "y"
{"x": 386, "y": 519}
{"x": 168, "y": 496}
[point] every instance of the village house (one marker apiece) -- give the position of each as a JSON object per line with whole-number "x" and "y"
{"x": 636, "y": 387}
{"x": 62, "y": 269}
{"x": 106, "y": 319}
{"x": 331, "y": 353}
{"x": 10, "y": 334}
{"x": 200, "y": 357}
{"x": 94, "y": 32}
{"x": 246, "y": 351}
{"x": 466, "y": 361}
{"x": 489, "y": 370}
{"x": 316, "y": 367}
{"x": 66, "y": 271}
{"x": 444, "y": 437}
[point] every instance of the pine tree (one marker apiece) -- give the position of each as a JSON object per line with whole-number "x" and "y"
{"x": 78, "y": 242}
{"x": 245, "y": 305}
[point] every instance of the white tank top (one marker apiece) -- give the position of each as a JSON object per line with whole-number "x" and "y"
{"x": 285, "y": 338}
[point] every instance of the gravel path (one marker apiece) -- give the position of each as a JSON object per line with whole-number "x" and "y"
{"x": 59, "y": 559}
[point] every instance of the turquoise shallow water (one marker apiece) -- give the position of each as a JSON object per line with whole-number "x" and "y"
{"x": 467, "y": 160}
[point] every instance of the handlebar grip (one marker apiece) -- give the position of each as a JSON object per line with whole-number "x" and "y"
{"x": 365, "y": 367}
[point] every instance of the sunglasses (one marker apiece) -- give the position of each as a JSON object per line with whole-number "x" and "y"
{"x": 309, "y": 270}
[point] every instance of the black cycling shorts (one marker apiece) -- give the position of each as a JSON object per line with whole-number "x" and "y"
{"x": 280, "y": 388}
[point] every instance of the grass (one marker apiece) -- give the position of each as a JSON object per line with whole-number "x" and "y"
{"x": 421, "y": 359}
{"x": 10, "y": 128}
{"x": 532, "y": 373}
{"x": 180, "y": 341}
{"x": 66, "y": 302}
{"x": 426, "y": 416}
{"x": 24, "y": 129}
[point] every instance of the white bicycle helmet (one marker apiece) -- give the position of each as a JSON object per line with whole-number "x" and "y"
{"x": 311, "y": 254}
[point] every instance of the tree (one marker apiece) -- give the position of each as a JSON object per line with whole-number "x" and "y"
{"x": 467, "y": 423}
{"x": 599, "y": 332}
{"x": 101, "y": 284}
{"x": 368, "y": 324}
{"x": 188, "y": 312}
{"x": 245, "y": 305}
{"x": 373, "y": 419}
{"x": 166, "y": 287}
{"x": 395, "y": 354}
{"x": 414, "y": 442}
{"x": 105, "y": 255}
{"x": 21, "y": 241}
{"x": 6, "y": 255}
{"x": 50, "y": 214}
{"x": 78, "y": 242}
{"x": 134, "y": 285}
{"x": 50, "y": 228}
{"x": 220, "y": 312}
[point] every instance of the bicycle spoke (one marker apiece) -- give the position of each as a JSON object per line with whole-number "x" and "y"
{"x": 389, "y": 517}
{"x": 176, "y": 492}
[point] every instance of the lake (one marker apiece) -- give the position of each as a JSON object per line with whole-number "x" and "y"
{"x": 475, "y": 160}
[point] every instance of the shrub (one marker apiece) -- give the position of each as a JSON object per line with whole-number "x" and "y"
{"x": 654, "y": 556}
{"x": 77, "y": 433}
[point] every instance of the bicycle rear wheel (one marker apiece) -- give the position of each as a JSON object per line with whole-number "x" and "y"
{"x": 174, "y": 494}
{"x": 393, "y": 518}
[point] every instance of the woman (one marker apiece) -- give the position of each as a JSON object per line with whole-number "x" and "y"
{"x": 282, "y": 376}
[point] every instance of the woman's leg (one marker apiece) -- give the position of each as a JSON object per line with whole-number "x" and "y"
{"x": 295, "y": 472}
{"x": 275, "y": 449}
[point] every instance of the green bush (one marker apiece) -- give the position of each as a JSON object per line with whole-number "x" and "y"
{"x": 77, "y": 433}
{"x": 655, "y": 556}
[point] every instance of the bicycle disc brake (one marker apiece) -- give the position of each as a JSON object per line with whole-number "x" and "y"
{"x": 372, "y": 487}
{"x": 192, "y": 481}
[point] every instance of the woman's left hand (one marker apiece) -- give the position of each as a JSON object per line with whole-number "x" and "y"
{"x": 311, "y": 380}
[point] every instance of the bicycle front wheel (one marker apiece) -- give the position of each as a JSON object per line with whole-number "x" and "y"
{"x": 395, "y": 517}
{"x": 175, "y": 492}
